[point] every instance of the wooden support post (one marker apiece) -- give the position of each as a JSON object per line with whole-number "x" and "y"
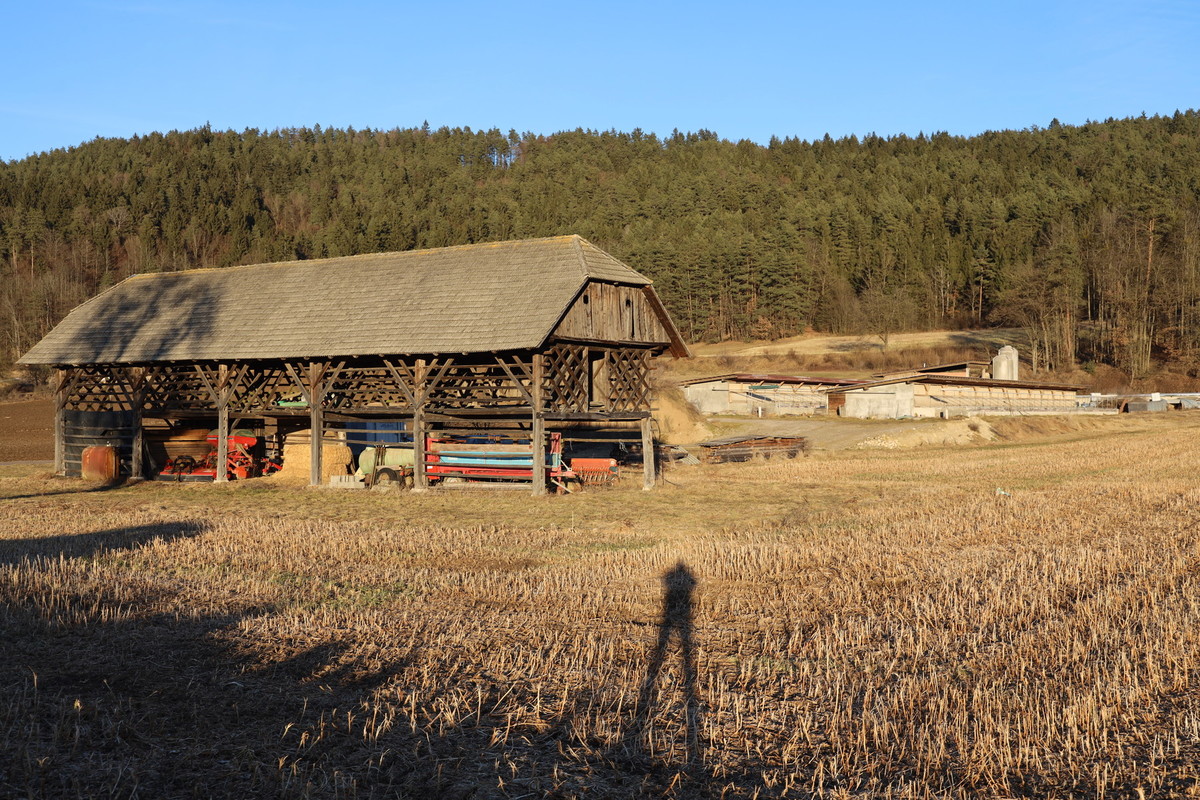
{"x": 317, "y": 437}
{"x": 419, "y": 432}
{"x": 420, "y": 478}
{"x": 647, "y": 454}
{"x": 316, "y": 423}
{"x": 222, "y": 398}
{"x": 137, "y": 468}
{"x": 538, "y": 434}
{"x": 137, "y": 400}
{"x": 60, "y": 422}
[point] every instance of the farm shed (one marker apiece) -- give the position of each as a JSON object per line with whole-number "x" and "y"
{"x": 939, "y": 395}
{"x": 965, "y": 369}
{"x": 747, "y": 393}
{"x": 523, "y": 336}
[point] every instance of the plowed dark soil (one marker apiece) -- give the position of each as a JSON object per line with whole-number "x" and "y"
{"x": 27, "y": 430}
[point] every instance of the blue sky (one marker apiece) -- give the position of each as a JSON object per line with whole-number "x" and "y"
{"x": 78, "y": 69}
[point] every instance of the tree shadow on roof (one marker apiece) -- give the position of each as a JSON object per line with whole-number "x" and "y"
{"x": 147, "y": 319}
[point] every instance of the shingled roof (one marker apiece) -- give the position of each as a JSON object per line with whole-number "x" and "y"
{"x": 467, "y": 299}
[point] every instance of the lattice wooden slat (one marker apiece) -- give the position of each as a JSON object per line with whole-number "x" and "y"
{"x": 371, "y": 383}
{"x": 482, "y": 384}
{"x": 628, "y": 372}
{"x": 261, "y": 387}
{"x": 172, "y": 387}
{"x": 367, "y": 387}
{"x": 99, "y": 387}
{"x": 566, "y": 379}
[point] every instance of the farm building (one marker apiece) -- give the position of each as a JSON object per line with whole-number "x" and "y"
{"x": 965, "y": 369}
{"x": 1005, "y": 365}
{"x": 513, "y": 341}
{"x": 757, "y": 394}
{"x": 939, "y": 395}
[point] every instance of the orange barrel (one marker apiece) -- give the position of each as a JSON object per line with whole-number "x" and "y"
{"x": 100, "y": 463}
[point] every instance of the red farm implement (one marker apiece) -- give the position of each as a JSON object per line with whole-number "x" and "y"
{"x": 595, "y": 471}
{"x": 240, "y": 463}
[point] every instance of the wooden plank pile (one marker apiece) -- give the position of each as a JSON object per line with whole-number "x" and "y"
{"x": 744, "y": 448}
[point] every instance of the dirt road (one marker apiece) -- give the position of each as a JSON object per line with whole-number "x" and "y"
{"x": 827, "y": 433}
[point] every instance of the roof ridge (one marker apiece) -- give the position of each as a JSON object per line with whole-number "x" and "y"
{"x": 317, "y": 261}
{"x": 590, "y": 253}
{"x": 578, "y": 241}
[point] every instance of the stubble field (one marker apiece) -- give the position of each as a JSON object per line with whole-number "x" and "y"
{"x": 1020, "y": 618}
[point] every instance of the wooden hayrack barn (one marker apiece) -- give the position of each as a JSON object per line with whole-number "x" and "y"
{"x": 530, "y": 336}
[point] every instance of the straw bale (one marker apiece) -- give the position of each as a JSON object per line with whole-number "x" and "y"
{"x": 297, "y": 459}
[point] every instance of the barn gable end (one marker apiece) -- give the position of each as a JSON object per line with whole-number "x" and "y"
{"x": 613, "y": 313}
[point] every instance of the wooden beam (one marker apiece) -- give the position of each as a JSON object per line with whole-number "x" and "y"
{"x": 420, "y": 477}
{"x": 538, "y": 436}
{"x": 648, "y": 470}
{"x": 516, "y": 381}
{"x": 300, "y": 382}
{"x": 60, "y": 415}
{"x": 400, "y": 382}
{"x": 221, "y": 397}
{"x": 316, "y": 372}
{"x": 430, "y": 384}
{"x": 137, "y": 400}
{"x": 212, "y": 390}
{"x": 679, "y": 348}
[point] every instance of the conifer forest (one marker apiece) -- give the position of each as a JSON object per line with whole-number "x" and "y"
{"x": 1087, "y": 237}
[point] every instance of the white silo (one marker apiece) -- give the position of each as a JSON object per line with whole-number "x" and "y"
{"x": 1005, "y": 366}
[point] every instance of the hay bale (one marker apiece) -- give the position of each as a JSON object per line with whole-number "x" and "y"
{"x": 297, "y": 460}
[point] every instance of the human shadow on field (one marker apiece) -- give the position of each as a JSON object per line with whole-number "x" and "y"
{"x": 678, "y": 585}
{"x": 88, "y": 545}
{"x": 636, "y": 750}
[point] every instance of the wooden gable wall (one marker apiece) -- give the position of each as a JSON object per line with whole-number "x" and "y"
{"x": 605, "y": 312}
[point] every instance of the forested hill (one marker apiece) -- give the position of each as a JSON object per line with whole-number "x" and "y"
{"x": 1062, "y": 230}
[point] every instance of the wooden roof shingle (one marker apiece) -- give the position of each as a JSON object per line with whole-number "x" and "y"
{"x": 466, "y": 299}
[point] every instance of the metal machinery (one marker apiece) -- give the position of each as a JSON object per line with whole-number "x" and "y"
{"x": 243, "y": 461}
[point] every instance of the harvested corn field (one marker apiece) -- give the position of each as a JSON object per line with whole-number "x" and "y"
{"x": 994, "y": 620}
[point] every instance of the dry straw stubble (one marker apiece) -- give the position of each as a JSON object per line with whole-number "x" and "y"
{"x": 870, "y": 624}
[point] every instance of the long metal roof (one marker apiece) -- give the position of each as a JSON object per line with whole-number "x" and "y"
{"x": 960, "y": 380}
{"x": 759, "y": 377}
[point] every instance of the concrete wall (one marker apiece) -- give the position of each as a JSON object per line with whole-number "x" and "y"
{"x": 898, "y": 400}
{"x": 711, "y": 397}
{"x": 730, "y": 397}
{"x": 931, "y": 400}
{"x": 893, "y": 401}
